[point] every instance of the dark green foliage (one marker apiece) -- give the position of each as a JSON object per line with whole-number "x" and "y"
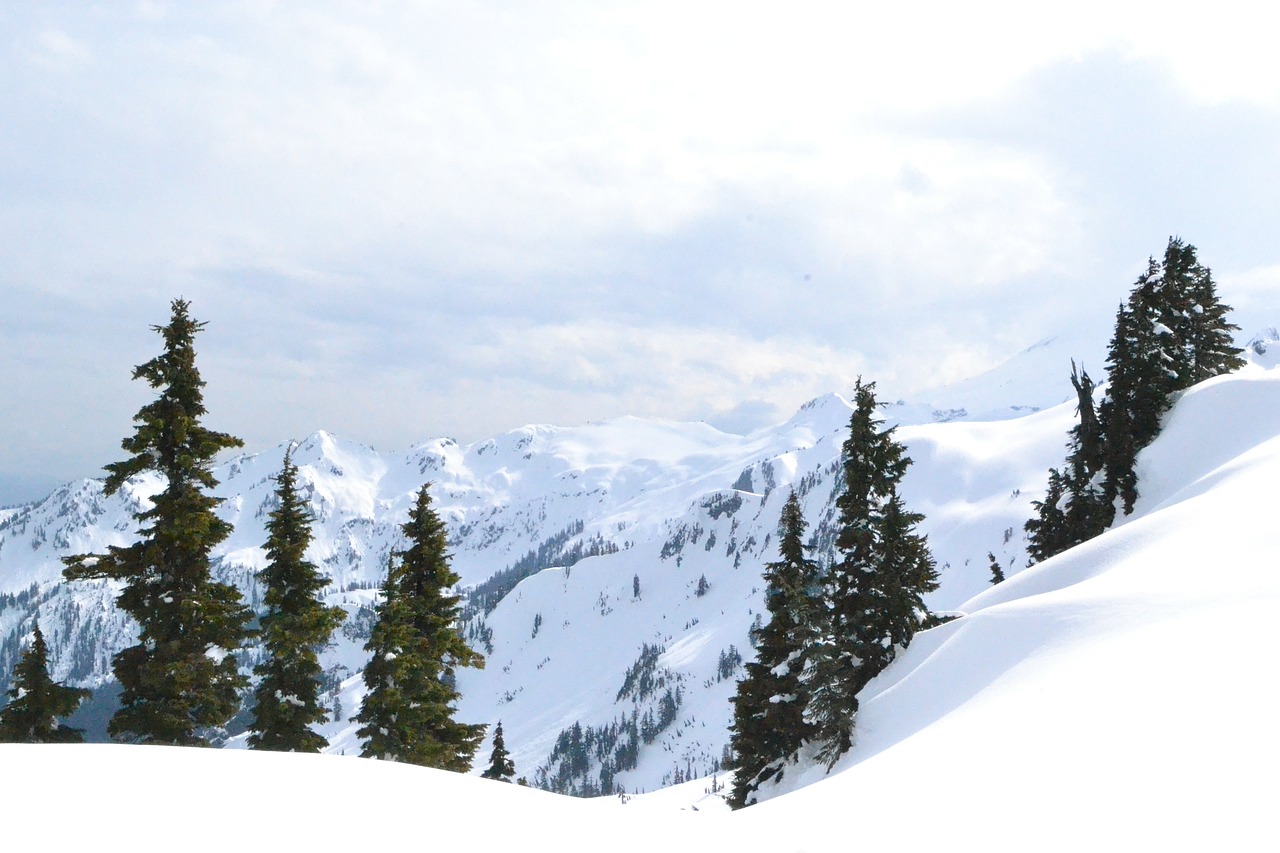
{"x": 1088, "y": 512}
{"x": 500, "y": 767}
{"x": 874, "y": 592}
{"x": 585, "y": 760}
{"x": 295, "y": 628}
{"x": 1143, "y": 375}
{"x": 997, "y": 573}
{"x": 36, "y": 701}
{"x": 769, "y": 724}
{"x": 407, "y": 714}
{"x": 1197, "y": 318}
{"x": 1171, "y": 333}
{"x": 179, "y": 683}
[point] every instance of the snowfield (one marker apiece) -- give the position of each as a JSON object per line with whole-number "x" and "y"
{"x": 1121, "y": 695}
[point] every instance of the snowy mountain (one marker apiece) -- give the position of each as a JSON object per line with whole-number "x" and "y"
{"x": 613, "y": 568}
{"x": 1114, "y": 696}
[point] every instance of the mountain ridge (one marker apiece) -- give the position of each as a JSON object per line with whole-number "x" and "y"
{"x": 659, "y": 504}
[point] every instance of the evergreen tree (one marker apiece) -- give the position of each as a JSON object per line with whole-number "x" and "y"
{"x": 1087, "y": 512}
{"x": 36, "y": 701}
{"x": 1047, "y": 529}
{"x": 1197, "y": 318}
{"x": 295, "y": 628}
{"x": 769, "y": 724}
{"x": 997, "y": 573}
{"x": 1171, "y": 333}
{"x": 873, "y": 595}
{"x": 179, "y": 682}
{"x": 501, "y": 768}
{"x": 407, "y": 714}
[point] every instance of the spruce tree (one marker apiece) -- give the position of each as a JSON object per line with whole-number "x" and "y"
{"x": 36, "y": 701}
{"x": 295, "y": 628}
{"x": 407, "y": 714}
{"x": 1047, "y": 530}
{"x": 501, "y": 768}
{"x": 179, "y": 682}
{"x": 1197, "y": 318}
{"x": 997, "y": 573}
{"x": 873, "y": 594}
{"x": 769, "y": 725}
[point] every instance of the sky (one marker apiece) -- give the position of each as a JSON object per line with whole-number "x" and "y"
{"x": 403, "y": 220}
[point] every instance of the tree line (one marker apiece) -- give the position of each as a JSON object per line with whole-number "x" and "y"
{"x": 1171, "y": 333}
{"x": 830, "y": 631}
{"x": 181, "y": 682}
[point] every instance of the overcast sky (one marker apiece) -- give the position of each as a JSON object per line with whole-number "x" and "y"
{"x": 406, "y": 220}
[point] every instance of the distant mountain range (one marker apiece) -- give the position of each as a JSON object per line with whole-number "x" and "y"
{"x": 553, "y": 532}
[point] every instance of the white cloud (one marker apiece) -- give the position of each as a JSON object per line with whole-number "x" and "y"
{"x": 492, "y": 214}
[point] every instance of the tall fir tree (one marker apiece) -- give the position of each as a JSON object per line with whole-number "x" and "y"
{"x": 1087, "y": 512}
{"x": 407, "y": 714}
{"x": 295, "y": 628}
{"x": 1047, "y": 528}
{"x": 36, "y": 701}
{"x": 501, "y": 768}
{"x": 873, "y": 594}
{"x": 179, "y": 682}
{"x": 769, "y": 725}
{"x": 1076, "y": 506}
{"x": 1197, "y": 318}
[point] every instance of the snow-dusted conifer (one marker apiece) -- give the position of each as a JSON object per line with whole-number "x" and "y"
{"x": 295, "y": 628}
{"x": 501, "y": 767}
{"x": 180, "y": 683}
{"x": 873, "y": 593}
{"x": 997, "y": 573}
{"x": 1047, "y": 529}
{"x": 36, "y": 701}
{"x": 1075, "y": 508}
{"x": 1197, "y": 317}
{"x": 407, "y": 714}
{"x": 769, "y": 724}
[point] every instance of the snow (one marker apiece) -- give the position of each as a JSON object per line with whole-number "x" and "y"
{"x": 1120, "y": 694}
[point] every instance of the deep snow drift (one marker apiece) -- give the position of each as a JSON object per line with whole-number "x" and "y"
{"x": 1119, "y": 695}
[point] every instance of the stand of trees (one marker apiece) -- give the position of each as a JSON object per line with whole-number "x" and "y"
{"x": 1171, "y": 333}
{"x": 181, "y": 683}
{"x": 407, "y": 713}
{"x": 831, "y": 632}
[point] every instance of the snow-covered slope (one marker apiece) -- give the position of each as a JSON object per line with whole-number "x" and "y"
{"x": 553, "y": 529}
{"x": 1117, "y": 696}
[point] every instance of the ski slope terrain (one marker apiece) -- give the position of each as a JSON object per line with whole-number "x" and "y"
{"x": 1118, "y": 695}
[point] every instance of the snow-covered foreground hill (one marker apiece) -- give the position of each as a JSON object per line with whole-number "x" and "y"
{"x": 1118, "y": 696}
